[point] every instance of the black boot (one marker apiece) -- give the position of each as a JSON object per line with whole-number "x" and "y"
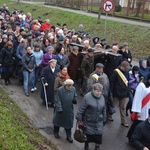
{"x": 6, "y": 82}
{"x": 20, "y": 82}
{"x": 9, "y": 81}
{"x": 68, "y": 134}
{"x": 97, "y": 146}
{"x": 86, "y": 146}
{"x": 56, "y": 131}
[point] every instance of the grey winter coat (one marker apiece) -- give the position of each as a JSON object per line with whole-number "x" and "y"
{"x": 28, "y": 62}
{"x": 62, "y": 62}
{"x": 64, "y": 113}
{"x": 92, "y": 112}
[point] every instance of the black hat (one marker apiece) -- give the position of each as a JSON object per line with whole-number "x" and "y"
{"x": 99, "y": 65}
{"x": 135, "y": 68}
{"x": 91, "y": 50}
{"x": 107, "y": 47}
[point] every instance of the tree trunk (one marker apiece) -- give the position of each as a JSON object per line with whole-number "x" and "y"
{"x": 133, "y": 3}
{"x": 100, "y": 11}
{"x": 128, "y": 8}
{"x": 139, "y": 4}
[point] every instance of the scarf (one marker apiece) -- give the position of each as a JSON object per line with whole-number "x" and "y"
{"x": 96, "y": 97}
{"x": 66, "y": 76}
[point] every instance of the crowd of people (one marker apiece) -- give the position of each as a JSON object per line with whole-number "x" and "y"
{"x": 32, "y": 50}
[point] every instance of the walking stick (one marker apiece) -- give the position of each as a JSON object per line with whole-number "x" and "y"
{"x": 44, "y": 93}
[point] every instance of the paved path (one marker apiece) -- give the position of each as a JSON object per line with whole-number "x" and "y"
{"x": 128, "y": 21}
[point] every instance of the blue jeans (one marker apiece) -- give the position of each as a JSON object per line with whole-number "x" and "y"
{"x": 28, "y": 77}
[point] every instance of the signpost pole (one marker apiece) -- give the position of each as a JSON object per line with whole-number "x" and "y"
{"x": 107, "y": 7}
{"x": 105, "y": 25}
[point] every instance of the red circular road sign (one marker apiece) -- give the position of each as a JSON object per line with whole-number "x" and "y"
{"x": 107, "y": 6}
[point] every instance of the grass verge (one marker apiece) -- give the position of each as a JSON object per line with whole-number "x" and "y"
{"x": 16, "y": 130}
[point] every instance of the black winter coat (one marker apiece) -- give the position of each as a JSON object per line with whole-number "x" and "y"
{"x": 117, "y": 86}
{"x": 141, "y": 135}
{"x": 113, "y": 62}
{"x": 48, "y": 76}
{"x": 7, "y": 57}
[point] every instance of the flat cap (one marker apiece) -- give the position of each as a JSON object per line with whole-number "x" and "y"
{"x": 99, "y": 65}
{"x": 52, "y": 60}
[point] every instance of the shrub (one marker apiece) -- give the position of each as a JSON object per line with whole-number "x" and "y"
{"x": 118, "y": 8}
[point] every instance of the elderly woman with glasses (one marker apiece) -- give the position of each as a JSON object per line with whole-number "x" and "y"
{"x": 92, "y": 115}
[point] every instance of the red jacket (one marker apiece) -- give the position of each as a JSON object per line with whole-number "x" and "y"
{"x": 45, "y": 26}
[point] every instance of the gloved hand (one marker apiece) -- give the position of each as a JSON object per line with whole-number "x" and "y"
{"x": 74, "y": 101}
{"x": 81, "y": 125}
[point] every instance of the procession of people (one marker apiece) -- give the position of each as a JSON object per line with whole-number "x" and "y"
{"x": 61, "y": 59}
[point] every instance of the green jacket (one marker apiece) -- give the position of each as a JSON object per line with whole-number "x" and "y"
{"x": 87, "y": 65}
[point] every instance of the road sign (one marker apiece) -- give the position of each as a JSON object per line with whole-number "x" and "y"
{"x": 107, "y": 6}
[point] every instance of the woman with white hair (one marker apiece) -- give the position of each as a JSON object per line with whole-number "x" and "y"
{"x": 64, "y": 111}
{"x": 92, "y": 115}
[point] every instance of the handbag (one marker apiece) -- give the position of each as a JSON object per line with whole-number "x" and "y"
{"x": 79, "y": 135}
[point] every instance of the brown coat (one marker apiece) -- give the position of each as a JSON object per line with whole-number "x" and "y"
{"x": 73, "y": 69}
{"x": 59, "y": 81}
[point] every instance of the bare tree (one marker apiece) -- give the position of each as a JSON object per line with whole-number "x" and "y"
{"x": 133, "y": 4}
{"x": 139, "y": 5}
{"x": 100, "y": 11}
